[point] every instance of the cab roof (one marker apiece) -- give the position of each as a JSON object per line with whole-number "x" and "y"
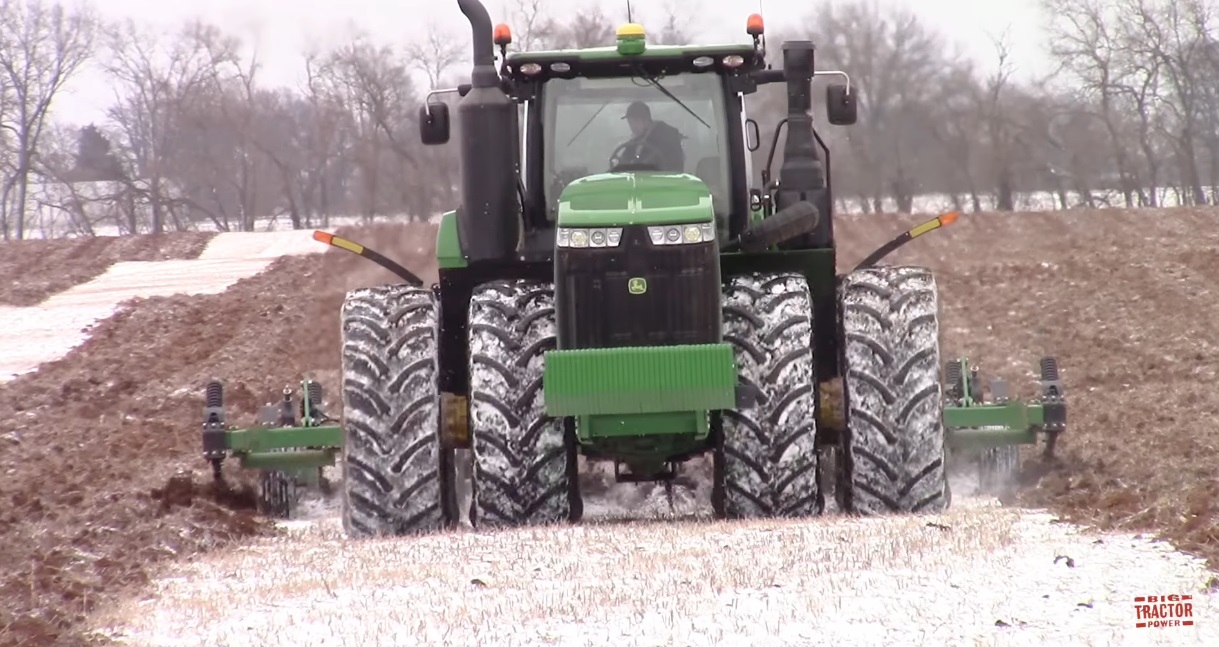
{"x": 733, "y": 58}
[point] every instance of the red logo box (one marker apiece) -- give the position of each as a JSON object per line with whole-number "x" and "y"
{"x": 1161, "y": 611}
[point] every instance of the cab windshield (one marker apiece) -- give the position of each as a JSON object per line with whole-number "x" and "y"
{"x": 587, "y": 123}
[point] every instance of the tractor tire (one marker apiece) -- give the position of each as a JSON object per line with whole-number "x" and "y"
{"x": 894, "y": 445}
{"x": 999, "y": 470}
{"x": 393, "y": 481}
{"x": 766, "y": 459}
{"x": 525, "y": 468}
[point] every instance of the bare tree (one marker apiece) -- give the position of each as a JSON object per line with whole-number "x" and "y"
{"x": 159, "y": 82}
{"x": 677, "y": 25}
{"x": 221, "y": 170}
{"x": 1137, "y": 87}
{"x": 958, "y": 130}
{"x": 589, "y": 27}
{"x": 529, "y": 24}
{"x": 1000, "y": 128}
{"x": 326, "y": 143}
{"x": 898, "y": 65}
{"x": 200, "y": 136}
{"x": 1087, "y": 45}
{"x": 377, "y": 90}
{"x": 42, "y": 46}
{"x": 436, "y": 54}
{"x": 536, "y": 28}
{"x": 1175, "y": 35}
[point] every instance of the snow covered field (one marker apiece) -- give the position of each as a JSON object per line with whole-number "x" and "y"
{"x": 52, "y": 223}
{"x": 977, "y": 575}
{"x": 55, "y": 227}
{"x": 51, "y": 329}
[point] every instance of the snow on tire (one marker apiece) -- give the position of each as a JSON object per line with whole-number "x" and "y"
{"x": 391, "y": 412}
{"x": 767, "y": 463}
{"x": 525, "y": 470}
{"x": 894, "y": 445}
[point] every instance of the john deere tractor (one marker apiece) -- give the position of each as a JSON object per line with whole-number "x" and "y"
{"x": 643, "y": 306}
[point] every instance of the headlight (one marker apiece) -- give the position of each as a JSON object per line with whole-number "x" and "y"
{"x": 682, "y": 234}
{"x": 612, "y": 236}
{"x": 582, "y": 237}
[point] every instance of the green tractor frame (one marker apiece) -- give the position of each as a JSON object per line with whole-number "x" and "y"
{"x": 640, "y": 315}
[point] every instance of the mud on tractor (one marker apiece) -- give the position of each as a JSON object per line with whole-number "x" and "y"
{"x": 629, "y": 309}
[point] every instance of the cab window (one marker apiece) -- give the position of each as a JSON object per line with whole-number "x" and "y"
{"x": 586, "y": 122}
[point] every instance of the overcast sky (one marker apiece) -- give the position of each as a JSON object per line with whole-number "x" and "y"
{"x": 283, "y": 29}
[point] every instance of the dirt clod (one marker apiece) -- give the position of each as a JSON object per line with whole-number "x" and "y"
{"x": 179, "y": 490}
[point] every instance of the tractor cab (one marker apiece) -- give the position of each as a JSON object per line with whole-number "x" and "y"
{"x": 628, "y": 127}
{"x": 617, "y": 125}
{"x": 633, "y": 109}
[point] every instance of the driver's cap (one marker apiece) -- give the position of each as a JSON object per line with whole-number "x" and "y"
{"x": 636, "y": 110}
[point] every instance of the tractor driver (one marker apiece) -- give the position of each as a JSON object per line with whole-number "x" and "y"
{"x": 652, "y": 141}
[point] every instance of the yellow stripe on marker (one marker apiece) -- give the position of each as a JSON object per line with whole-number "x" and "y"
{"x": 935, "y": 223}
{"x": 925, "y": 227}
{"x": 347, "y": 245}
{"x": 342, "y": 243}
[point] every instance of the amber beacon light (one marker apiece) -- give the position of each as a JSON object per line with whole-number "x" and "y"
{"x": 502, "y": 35}
{"x": 754, "y": 26}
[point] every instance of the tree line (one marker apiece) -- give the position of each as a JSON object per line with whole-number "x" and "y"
{"x": 195, "y": 137}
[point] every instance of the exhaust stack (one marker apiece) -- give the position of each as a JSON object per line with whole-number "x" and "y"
{"x": 488, "y": 219}
{"x": 484, "y": 52}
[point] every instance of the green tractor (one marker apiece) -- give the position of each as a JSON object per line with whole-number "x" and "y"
{"x": 645, "y": 307}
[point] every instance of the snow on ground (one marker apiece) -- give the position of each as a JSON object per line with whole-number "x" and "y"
{"x": 979, "y": 574}
{"x": 45, "y": 332}
{"x": 54, "y": 227}
{"x": 53, "y": 223}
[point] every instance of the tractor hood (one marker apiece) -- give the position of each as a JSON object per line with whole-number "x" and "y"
{"x": 645, "y": 198}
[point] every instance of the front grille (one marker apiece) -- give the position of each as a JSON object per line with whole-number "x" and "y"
{"x": 596, "y": 310}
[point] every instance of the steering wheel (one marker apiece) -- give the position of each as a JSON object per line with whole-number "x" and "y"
{"x": 646, "y": 151}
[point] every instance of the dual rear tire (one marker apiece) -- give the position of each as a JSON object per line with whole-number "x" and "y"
{"x": 890, "y": 455}
{"x": 399, "y": 479}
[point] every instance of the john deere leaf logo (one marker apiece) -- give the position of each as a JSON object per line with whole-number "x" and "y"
{"x": 637, "y": 286}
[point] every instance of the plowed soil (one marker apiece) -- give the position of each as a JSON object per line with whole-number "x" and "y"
{"x": 1123, "y": 299}
{"x": 1128, "y": 303}
{"x": 37, "y": 269}
{"x": 91, "y": 442}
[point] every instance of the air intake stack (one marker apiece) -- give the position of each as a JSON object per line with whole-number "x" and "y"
{"x": 802, "y": 176}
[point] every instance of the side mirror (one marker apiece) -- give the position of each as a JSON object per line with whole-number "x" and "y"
{"x": 840, "y": 105}
{"x": 753, "y": 136}
{"x": 434, "y": 123}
